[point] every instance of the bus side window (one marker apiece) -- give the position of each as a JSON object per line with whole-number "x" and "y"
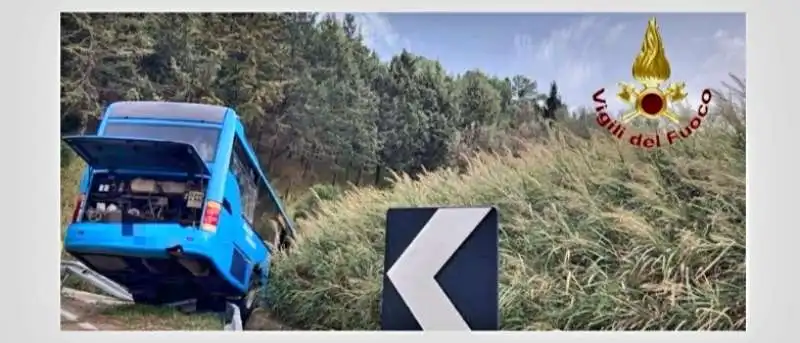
{"x": 270, "y": 223}
{"x": 258, "y": 206}
{"x": 246, "y": 178}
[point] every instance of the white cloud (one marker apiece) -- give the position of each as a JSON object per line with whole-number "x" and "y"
{"x": 577, "y": 72}
{"x": 378, "y": 33}
{"x": 523, "y": 47}
{"x": 564, "y": 41}
{"x": 569, "y": 51}
{"x": 725, "y": 55}
{"x": 729, "y": 52}
{"x": 615, "y": 32}
{"x": 378, "y": 30}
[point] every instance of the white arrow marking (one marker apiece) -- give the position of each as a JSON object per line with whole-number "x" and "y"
{"x": 71, "y": 317}
{"x": 414, "y": 271}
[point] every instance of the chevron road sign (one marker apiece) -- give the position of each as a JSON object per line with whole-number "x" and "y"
{"x": 441, "y": 269}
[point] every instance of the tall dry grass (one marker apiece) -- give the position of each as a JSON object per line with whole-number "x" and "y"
{"x": 595, "y": 235}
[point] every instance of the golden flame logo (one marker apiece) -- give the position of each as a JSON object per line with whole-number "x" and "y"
{"x": 651, "y": 65}
{"x": 651, "y": 68}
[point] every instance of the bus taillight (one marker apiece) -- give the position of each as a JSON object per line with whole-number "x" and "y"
{"x": 210, "y": 216}
{"x": 77, "y": 210}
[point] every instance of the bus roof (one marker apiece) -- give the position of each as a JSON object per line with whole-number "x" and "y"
{"x": 167, "y": 110}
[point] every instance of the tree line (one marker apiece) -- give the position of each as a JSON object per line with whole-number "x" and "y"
{"x": 319, "y": 105}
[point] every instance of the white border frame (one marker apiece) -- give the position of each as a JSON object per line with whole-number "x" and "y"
{"x": 30, "y": 144}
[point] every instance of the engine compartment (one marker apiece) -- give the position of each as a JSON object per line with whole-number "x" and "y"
{"x": 132, "y": 198}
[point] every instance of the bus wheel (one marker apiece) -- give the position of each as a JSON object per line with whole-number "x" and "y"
{"x": 251, "y": 300}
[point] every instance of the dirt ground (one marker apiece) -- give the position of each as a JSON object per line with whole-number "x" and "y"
{"x": 78, "y": 315}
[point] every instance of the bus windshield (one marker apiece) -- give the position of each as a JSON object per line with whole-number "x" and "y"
{"x": 204, "y": 139}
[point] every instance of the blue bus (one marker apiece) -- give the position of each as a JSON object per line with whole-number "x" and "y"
{"x": 174, "y": 205}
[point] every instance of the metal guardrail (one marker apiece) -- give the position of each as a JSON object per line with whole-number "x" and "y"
{"x": 69, "y": 268}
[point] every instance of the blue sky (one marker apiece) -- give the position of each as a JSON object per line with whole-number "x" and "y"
{"x": 581, "y": 52}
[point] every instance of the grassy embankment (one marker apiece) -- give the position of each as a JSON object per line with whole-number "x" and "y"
{"x": 596, "y": 235}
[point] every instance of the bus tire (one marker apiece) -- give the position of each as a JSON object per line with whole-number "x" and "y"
{"x": 251, "y": 300}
